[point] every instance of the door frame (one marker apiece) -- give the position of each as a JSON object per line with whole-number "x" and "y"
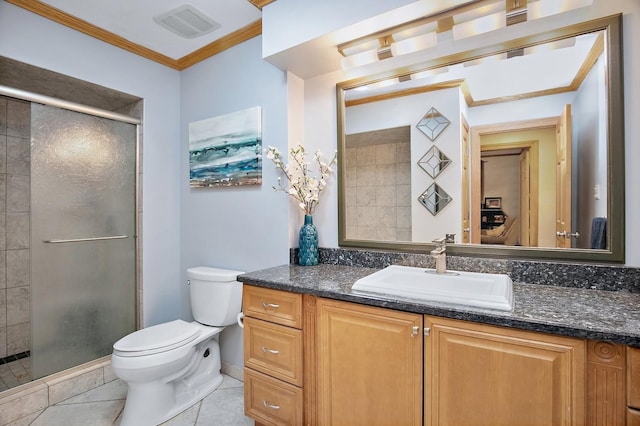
{"x": 532, "y": 147}
{"x": 466, "y": 180}
{"x": 524, "y": 160}
{"x": 476, "y": 135}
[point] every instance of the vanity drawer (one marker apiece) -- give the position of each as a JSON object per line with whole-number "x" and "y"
{"x": 273, "y": 349}
{"x": 276, "y": 306}
{"x": 270, "y": 401}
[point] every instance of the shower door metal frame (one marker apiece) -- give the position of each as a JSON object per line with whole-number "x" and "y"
{"x": 76, "y": 107}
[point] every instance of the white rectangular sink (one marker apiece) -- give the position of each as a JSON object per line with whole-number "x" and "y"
{"x": 493, "y": 291}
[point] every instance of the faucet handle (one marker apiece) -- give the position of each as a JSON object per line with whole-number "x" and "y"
{"x": 440, "y": 242}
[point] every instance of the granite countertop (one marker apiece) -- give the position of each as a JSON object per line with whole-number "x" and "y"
{"x": 593, "y": 314}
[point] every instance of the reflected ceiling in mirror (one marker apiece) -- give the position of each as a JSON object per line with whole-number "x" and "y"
{"x": 501, "y": 104}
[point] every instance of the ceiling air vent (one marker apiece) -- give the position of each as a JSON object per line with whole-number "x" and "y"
{"x": 187, "y": 22}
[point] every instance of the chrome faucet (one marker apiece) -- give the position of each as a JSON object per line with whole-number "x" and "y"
{"x": 440, "y": 255}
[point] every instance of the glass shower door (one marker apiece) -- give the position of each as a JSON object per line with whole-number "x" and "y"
{"x": 83, "y": 223}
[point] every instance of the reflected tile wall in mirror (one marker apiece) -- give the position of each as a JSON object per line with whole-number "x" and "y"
{"x": 378, "y": 197}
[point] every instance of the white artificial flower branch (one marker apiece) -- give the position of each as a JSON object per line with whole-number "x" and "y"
{"x": 301, "y": 185}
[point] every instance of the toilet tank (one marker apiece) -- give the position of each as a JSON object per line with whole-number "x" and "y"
{"x": 216, "y": 296}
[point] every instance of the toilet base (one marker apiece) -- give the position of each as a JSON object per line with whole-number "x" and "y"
{"x": 156, "y": 402}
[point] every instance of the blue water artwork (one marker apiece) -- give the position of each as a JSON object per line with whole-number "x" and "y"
{"x": 226, "y": 150}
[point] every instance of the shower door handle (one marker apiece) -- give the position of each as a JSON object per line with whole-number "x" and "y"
{"x": 79, "y": 240}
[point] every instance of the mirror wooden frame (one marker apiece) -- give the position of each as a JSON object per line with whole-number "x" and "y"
{"x": 615, "y": 153}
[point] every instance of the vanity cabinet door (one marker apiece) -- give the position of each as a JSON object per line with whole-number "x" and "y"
{"x": 486, "y": 375}
{"x": 633, "y": 417}
{"x": 369, "y": 365}
{"x": 633, "y": 377}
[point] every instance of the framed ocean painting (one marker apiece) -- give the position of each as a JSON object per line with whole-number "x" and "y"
{"x": 226, "y": 150}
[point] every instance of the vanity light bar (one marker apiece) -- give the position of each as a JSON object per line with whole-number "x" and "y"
{"x": 414, "y": 44}
{"x": 413, "y": 36}
{"x": 401, "y": 39}
{"x": 521, "y": 11}
{"x": 542, "y": 8}
{"x": 385, "y": 48}
{"x": 468, "y": 20}
{"x": 480, "y": 25}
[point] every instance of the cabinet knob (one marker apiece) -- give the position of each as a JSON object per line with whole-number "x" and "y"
{"x": 270, "y": 305}
{"x": 271, "y": 351}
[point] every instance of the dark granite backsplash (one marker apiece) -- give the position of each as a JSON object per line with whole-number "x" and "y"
{"x": 596, "y": 277}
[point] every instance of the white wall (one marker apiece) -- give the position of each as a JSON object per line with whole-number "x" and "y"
{"x": 295, "y": 109}
{"x": 288, "y": 23}
{"x": 589, "y": 127}
{"x": 242, "y": 228}
{"x": 320, "y": 132}
{"x": 28, "y": 38}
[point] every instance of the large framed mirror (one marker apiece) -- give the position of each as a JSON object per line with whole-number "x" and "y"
{"x": 516, "y": 149}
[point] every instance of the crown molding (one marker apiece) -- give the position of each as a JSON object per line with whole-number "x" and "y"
{"x": 260, "y": 3}
{"x": 243, "y": 34}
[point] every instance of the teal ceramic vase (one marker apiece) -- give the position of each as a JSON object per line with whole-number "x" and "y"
{"x": 308, "y": 246}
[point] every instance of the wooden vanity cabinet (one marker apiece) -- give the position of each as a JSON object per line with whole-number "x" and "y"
{"x": 273, "y": 356}
{"x": 477, "y": 374}
{"x": 633, "y": 386}
{"x": 369, "y": 365}
{"x": 315, "y": 361}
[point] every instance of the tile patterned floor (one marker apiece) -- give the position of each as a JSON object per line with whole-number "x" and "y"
{"x": 103, "y": 406}
{"x": 14, "y": 372}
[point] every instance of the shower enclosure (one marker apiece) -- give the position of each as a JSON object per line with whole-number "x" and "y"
{"x": 83, "y": 252}
{"x": 79, "y": 231}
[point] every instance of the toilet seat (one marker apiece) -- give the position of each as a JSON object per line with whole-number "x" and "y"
{"x": 158, "y": 338}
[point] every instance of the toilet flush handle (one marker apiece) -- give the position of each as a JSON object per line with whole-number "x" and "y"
{"x": 240, "y": 319}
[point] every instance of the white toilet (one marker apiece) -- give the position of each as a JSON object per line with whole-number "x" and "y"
{"x": 169, "y": 367}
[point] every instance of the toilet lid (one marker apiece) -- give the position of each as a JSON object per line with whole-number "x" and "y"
{"x": 157, "y": 338}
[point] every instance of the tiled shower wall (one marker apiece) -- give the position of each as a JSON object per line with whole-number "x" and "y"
{"x": 378, "y": 191}
{"x": 15, "y": 160}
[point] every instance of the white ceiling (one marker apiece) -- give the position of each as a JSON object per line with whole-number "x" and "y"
{"x": 133, "y": 20}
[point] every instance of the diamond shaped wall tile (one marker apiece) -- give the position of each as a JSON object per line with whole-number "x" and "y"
{"x": 434, "y": 199}
{"x": 433, "y": 124}
{"x": 434, "y": 162}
